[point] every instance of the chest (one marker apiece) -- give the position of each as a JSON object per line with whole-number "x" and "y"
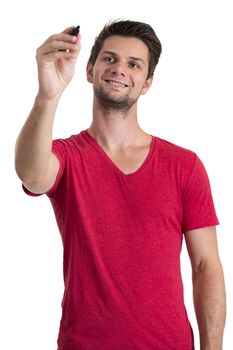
{"x": 129, "y": 161}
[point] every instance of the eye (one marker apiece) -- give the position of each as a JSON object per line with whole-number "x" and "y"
{"x": 134, "y": 65}
{"x": 109, "y": 59}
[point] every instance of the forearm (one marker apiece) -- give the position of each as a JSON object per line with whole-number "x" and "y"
{"x": 33, "y": 146}
{"x": 210, "y": 306}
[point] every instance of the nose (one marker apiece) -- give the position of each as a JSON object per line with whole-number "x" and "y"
{"x": 118, "y": 69}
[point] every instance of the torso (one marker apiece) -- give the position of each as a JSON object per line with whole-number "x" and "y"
{"x": 130, "y": 160}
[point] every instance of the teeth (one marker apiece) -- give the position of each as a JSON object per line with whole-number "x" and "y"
{"x": 116, "y": 83}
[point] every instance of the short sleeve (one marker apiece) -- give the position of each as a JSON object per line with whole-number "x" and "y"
{"x": 59, "y": 148}
{"x": 197, "y": 201}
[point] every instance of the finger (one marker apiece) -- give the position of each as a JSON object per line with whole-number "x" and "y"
{"x": 56, "y": 45}
{"x": 60, "y": 37}
{"x": 68, "y": 30}
{"x": 64, "y": 35}
{"x": 53, "y": 56}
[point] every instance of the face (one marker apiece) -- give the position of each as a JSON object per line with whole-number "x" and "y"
{"x": 119, "y": 75}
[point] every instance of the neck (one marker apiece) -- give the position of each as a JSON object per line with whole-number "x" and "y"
{"x": 116, "y": 130}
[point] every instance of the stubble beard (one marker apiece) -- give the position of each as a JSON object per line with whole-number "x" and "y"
{"x": 113, "y": 104}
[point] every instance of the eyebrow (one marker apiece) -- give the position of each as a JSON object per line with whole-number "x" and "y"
{"x": 130, "y": 57}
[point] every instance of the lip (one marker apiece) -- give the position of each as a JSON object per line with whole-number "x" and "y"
{"x": 117, "y": 83}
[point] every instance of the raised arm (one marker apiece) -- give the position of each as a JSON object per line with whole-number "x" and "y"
{"x": 208, "y": 286}
{"x": 35, "y": 165}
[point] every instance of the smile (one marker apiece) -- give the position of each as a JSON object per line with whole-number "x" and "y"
{"x": 116, "y": 83}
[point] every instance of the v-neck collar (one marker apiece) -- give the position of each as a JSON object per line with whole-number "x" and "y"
{"x": 100, "y": 149}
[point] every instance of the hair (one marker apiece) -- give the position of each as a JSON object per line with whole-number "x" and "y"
{"x": 127, "y": 28}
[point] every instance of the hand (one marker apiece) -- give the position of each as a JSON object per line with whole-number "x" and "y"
{"x": 55, "y": 67}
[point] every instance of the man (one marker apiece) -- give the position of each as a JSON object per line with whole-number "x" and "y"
{"x": 123, "y": 201}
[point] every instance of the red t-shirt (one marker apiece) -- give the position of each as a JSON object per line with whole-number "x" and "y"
{"x": 122, "y": 237}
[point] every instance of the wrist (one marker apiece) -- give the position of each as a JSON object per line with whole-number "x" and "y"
{"x": 44, "y": 101}
{"x": 210, "y": 348}
{"x": 215, "y": 345}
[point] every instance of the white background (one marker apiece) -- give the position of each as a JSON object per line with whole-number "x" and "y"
{"x": 190, "y": 104}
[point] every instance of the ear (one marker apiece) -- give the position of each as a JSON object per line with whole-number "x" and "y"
{"x": 147, "y": 85}
{"x": 89, "y": 72}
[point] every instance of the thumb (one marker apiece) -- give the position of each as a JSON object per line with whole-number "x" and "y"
{"x": 68, "y": 30}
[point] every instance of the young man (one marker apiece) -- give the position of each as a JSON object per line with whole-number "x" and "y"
{"x": 123, "y": 201}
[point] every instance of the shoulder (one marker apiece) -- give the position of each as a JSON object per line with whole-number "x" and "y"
{"x": 173, "y": 152}
{"x": 71, "y": 143}
{"x": 68, "y": 141}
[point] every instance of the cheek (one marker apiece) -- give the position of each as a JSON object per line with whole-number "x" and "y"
{"x": 97, "y": 74}
{"x": 139, "y": 82}
{"x": 94, "y": 76}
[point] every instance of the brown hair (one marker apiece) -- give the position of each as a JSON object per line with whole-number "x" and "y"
{"x": 139, "y": 30}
